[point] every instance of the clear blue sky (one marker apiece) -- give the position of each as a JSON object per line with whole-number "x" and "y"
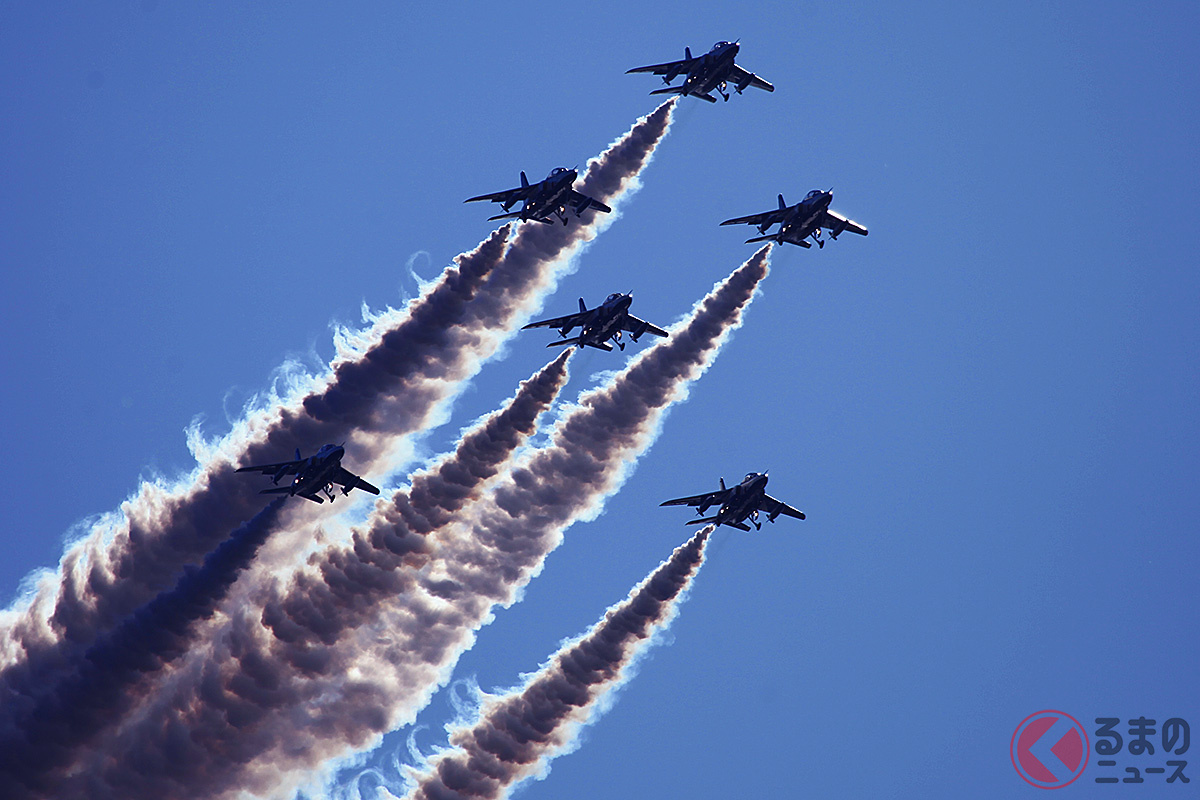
{"x": 987, "y": 408}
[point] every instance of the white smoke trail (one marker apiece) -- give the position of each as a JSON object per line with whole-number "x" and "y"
{"x": 394, "y": 383}
{"x": 517, "y": 734}
{"x": 415, "y": 361}
{"x": 270, "y": 704}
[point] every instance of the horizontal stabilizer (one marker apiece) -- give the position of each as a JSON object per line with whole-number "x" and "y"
{"x": 669, "y": 90}
{"x": 509, "y": 215}
{"x": 741, "y": 526}
{"x": 701, "y": 521}
{"x": 563, "y": 342}
{"x": 775, "y": 238}
{"x": 280, "y": 490}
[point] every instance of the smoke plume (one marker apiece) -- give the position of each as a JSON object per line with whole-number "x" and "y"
{"x": 272, "y": 700}
{"x": 408, "y": 366}
{"x": 39, "y": 736}
{"x": 517, "y": 734}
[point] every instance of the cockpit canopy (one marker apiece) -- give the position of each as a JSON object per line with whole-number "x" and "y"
{"x": 813, "y": 193}
{"x": 720, "y": 44}
{"x": 554, "y": 173}
{"x": 750, "y": 476}
{"x": 613, "y": 297}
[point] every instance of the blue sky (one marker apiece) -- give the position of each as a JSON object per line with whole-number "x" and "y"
{"x": 987, "y": 408}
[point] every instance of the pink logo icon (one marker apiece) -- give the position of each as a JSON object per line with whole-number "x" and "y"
{"x": 1050, "y": 749}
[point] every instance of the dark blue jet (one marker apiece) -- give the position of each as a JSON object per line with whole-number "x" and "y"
{"x": 801, "y": 221}
{"x": 713, "y": 70}
{"x": 551, "y": 197}
{"x": 315, "y": 475}
{"x": 606, "y": 321}
{"x": 738, "y": 503}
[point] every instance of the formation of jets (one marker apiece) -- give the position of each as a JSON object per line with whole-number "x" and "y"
{"x": 555, "y": 198}
{"x": 600, "y": 324}
{"x": 315, "y": 475}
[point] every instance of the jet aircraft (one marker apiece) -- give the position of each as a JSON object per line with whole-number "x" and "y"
{"x": 737, "y": 503}
{"x": 800, "y": 221}
{"x": 551, "y": 197}
{"x": 315, "y": 475}
{"x": 606, "y": 321}
{"x": 713, "y": 70}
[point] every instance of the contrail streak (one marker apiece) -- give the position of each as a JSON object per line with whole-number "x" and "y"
{"x": 38, "y": 736}
{"x": 68, "y": 717}
{"x": 270, "y": 704}
{"x": 517, "y": 734}
{"x": 347, "y": 581}
{"x": 413, "y": 361}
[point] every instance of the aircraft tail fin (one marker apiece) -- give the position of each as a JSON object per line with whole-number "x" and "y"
{"x": 582, "y": 305}
{"x": 782, "y": 204}
{"x": 524, "y": 180}
{"x": 687, "y": 53}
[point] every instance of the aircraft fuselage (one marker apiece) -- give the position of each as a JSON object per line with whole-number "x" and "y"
{"x": 551, "y": 196}
{"x": 607, "y": 322}
{"x": 746, "y": 499}
{"x": 805, "y": 216}
{"x": 318, "y": 472}
{"x": 712, "y": 70}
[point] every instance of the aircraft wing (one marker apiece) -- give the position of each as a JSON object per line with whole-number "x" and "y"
{"x": 775, "y": 507}
{"x": 837, "y": 223}
{"x": 708, "y": 498}
{"x": 639, "y": 326}
{"x": 569, "y": 321}
{"x": 582, "y": 202}
{"x": 676, "y": 67}
{"x": 739, "y": 76}
{"x": 346, "y": 478}
{"x": 282, "y": 468}
{"x": 507, "y": 197}
{"x": 765, "y": 218}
